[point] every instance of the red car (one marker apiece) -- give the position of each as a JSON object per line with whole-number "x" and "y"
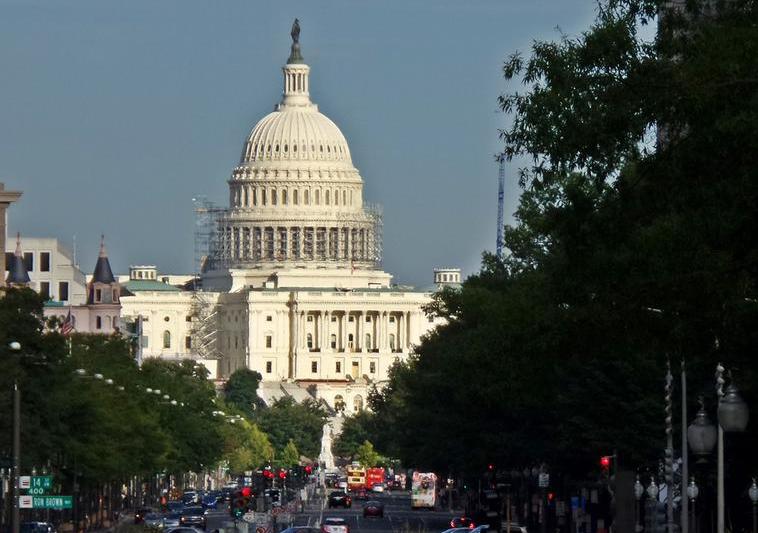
{"x": 462, "y": 521}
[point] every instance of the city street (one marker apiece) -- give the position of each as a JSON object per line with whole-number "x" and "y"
{"x": 398, "y": 516}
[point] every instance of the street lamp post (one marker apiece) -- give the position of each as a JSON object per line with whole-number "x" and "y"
{"x": 15, "y": 515}
{"x": 639, "y": 490}
{"x": 753, "y": 493}
{"x": 692, "y": 494}
{"x": 732, "y": 417}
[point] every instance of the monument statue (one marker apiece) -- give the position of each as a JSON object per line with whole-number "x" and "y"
{"x": 295, "y": 31}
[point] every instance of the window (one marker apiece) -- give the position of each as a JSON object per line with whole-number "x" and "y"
{"x": 314, "y": 367}
{"x": 310, "y": 318}
{"x": 44, "y": 289}
{"x": 29, "y": 261}
{"x": 339, "y": 403}
{"x": 333, "y": 341}
{"x": 338, "y": 367}
{"x": 166, "y": 319}
{"x": 167, "y": 339}
{"x": 294, "y": 197}
{"x": 98, "y": 323}
{"x": 44, "y": 262}
{"x": 392, "y": 342}
{"x": 392, "y": 320}
{"x": 114, "y": 295}
{"x": 368, "y": 341}
{"x": 115, "y": 322}
{"x": 268, "y": 341}
{"x": 98, "y": 295}
{"x": 351, "y": 319}
{"x": 334, "y": 318}
{"x": 188, "y": 342}
{"x": 430, "y": 319}
{"x": 236, "y": 342}
{"x": 269, "y": 318}
{"x": 357, "y": 403}
{"x": 188, "y": 318}
{"x": 145, "y": 340}
{"x": 372, "y": 368}
{"x": 269, "y": 367}
{"x": 368, "y": 318}
{"x": 309, "y": 341}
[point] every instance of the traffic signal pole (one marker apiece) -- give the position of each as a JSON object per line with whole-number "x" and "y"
{"x": 16, "y": 517}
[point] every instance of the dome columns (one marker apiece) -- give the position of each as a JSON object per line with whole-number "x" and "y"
{"x": 296, "y": 85}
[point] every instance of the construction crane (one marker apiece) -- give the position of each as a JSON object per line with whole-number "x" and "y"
{"x": 500, "y": 200}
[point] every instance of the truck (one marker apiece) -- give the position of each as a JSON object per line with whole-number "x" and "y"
{"x": 356, "y": 477}
{"x": 423, "y": 490}
{"x": 374, "y": 476}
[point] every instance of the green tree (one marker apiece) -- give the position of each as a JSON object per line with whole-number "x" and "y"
{"x": 356, "y": 429}
{"x": 246, "y": 447}
{"x": 289, "y": 455}
{"x": 241, "y": 390}
{"x": 367, "y": 456}
{"x": 288, "y": 420}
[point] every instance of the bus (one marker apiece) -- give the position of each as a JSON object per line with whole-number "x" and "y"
{"x": 356, "y": 477}
{"x": 374, "y": 476}
{"x": 423, "y": 490}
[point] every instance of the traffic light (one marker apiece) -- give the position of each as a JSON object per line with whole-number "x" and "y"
{"x": 240, "y": 502}
{"x": 282, "y": 473}
{"x": 605, "y": 463}
{"x": 308, "y": 469}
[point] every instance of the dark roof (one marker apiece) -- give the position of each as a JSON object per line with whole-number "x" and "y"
{"x": 103, "y": 272}
{"x": 17, "y": 273}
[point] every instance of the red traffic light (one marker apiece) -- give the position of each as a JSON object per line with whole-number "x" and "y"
{"x": 550, "y": 496}
{"x": 268, "y": 474}
{"x": 490, "y": 467}
{"x": 308, "y": 469}
{"x": 282, "y": 474}
{"x": 605, "y": 462}
{"x": 246, "y": 492}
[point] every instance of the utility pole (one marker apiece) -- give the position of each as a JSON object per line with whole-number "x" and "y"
{"x": 669, "y": 467}
{"x": 685, "y": 455}
{"x": 16, "y": 456}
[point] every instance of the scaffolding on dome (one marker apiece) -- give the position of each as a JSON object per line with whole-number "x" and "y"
{"x": 207, "y": 215}
{"x": 375, "y": 244}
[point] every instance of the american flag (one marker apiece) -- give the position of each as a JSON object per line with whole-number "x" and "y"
{"x": 68, "y": 326}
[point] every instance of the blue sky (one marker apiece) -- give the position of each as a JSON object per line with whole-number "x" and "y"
{"x": 114, "y": 115}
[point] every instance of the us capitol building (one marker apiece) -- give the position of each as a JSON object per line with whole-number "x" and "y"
{"x": 292, "y": 287}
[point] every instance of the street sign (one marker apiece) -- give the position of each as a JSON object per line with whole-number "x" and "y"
{"x": 43, "y": 483}
{"x": 544, "y": 480}
{"x": 45, "y": 502}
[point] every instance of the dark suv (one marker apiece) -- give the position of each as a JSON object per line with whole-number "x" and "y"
{"x": 340, "y": 499}
{"x": 193, "y": 516}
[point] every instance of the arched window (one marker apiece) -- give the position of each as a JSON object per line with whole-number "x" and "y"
{"x": 392, "y": 342}
{"x": 357, "y": 403}
{"x": 167, "y": 339}
{"x": 263, "y": 196}
{"x": 294, "y": 197}
{"x": 309, "y": 341}
{"x": 255, "y": 195}
{"x": 284, "y": 197}
{"x": 115, "y": 322}
{"x": 98, "y": 323}
{"x": 307, "y": 197}
{"x": 350, "y": 341}
{"x": 273, "y": 196}
{"x": 326, "y": 197}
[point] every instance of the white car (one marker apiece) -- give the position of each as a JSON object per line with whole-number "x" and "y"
{"x": 377, "y": 487}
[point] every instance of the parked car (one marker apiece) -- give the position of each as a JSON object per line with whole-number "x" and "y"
{"x": 340, "y": 499}
{"x": 515, "y": 528}
{"x": 172, "y": 520}
{"x": 462, "y": 521}
{"x": 334, "y": 525}
{"x": 153, "y": 520}
{"x": 373, "y": 508}
{"x": 140, "y": 513}
{"x": 193, "y": 516}
{"x": 37, "y": 527}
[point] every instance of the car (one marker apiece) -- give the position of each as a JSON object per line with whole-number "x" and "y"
{"x": 153, "y": 520}
{"x": 340, "y": 499}
{"x": 193, "y": 516}
{"x": 360, "y": 494}
{"x": 36, "y": 527}
{"x": 175, "y": 506}
{"x": 462, "y": 521}
{"x": 377, "y": 487}
{"x": 334, "y": 525}
{"x": 210, "y": 501}
{"x": 373, "y": 508}
{"x": 480, "y": 529}
{"x": 457, "y": 530}
{"x": 183, "y": 529}
{"x": 140, "y": 513}
{"x": 190, "y": 497}
{"x": 172, "y": 520}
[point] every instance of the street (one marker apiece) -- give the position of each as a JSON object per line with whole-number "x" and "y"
{"x": 398, "y": 516}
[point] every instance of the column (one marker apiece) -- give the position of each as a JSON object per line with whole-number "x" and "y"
{"x": 343, "y": 331}
{"x": 401, "y": 332}
{"x": 382, "y": 331}
{"x": 360, "y": 333}
{"x": 327, "y": 336}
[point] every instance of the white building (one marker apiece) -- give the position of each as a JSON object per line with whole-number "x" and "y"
{"x": 293, "y": 288}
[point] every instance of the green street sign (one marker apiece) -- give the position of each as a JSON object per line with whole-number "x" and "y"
{"x": 45, "y": 502}
{"x": 36, "y": 485}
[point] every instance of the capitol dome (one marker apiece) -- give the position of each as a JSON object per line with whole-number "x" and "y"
{"x": 295, "y": 198}
{"x": 295, "y": 133}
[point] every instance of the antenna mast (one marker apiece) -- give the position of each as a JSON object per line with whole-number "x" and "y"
{"x": 500, "y": 199}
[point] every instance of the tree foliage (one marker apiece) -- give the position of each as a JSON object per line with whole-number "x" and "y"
{"x": 356, "y": 429}
{"x": 287, "y": 420}
{"x": 367, "y": 456}
{"x": 241, "y": 390}
{"x": 634, "y": 241}
{"x": 289, "y": 456}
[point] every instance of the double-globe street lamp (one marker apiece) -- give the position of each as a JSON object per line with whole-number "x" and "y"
{"x": 733, "y": 416}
